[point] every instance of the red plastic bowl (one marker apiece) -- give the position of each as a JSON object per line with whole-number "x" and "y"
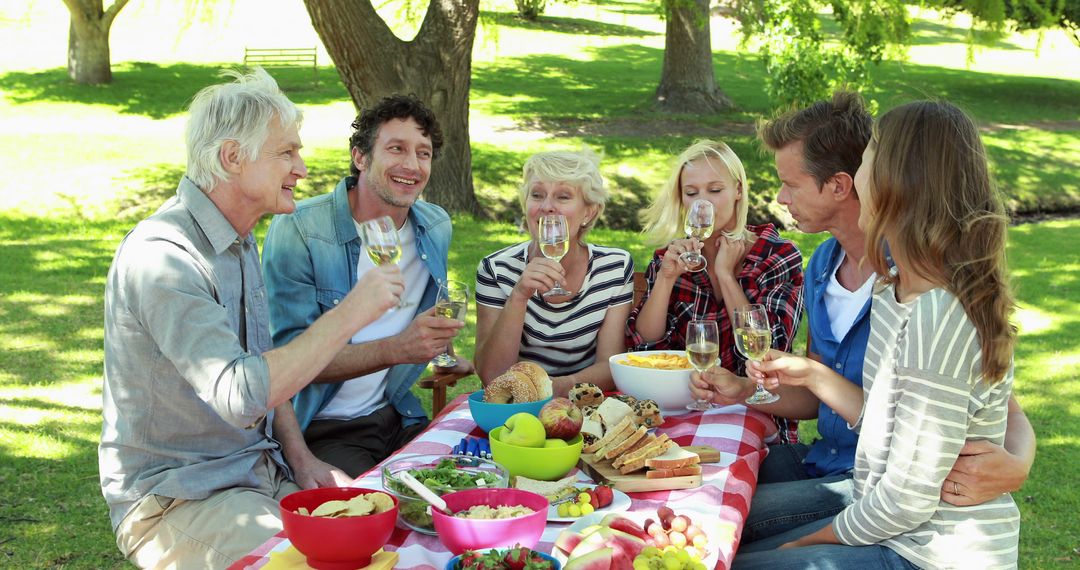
{"x": 460, "y": 535}
{"x": 333, "y": 543}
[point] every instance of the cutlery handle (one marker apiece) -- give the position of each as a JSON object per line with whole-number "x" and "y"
{"x": 425, "y": 493}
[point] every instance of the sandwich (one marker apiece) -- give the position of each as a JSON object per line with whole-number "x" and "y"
{"x": 553, "y": 490}
{"x": 630, "y": 462}
{"x": 675, "y": 462}
{"x": 614, "y": 434}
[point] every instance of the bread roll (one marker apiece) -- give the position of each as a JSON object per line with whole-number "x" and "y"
{"x": 537, "y": 375}
{"x": 511, "y": 387}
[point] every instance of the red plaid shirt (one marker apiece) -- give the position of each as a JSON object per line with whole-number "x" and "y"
{"x": 771, "y": 275}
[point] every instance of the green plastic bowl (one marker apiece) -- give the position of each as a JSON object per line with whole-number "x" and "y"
{"x": 544, "y": 463}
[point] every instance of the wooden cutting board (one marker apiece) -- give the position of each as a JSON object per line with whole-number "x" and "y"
{"x": 601, "y": 471}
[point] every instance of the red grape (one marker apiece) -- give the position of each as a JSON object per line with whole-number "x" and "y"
{"x": 679, "y": 523}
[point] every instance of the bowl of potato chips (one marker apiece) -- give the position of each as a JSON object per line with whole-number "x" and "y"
{"x": 660, "y": 375}
{"x": 337, "y": 527}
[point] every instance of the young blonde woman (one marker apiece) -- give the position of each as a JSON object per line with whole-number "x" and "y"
{"x": 745, "y": 264}
{"x": 938, "y": 367}
{"x": 570, "y": 335}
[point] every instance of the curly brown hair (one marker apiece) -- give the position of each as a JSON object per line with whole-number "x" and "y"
{"x": 367, "y": 123}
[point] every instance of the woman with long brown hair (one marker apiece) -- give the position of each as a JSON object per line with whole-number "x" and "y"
{"x": 938, "y": 366}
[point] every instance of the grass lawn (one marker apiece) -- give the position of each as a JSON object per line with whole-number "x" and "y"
{"x": 82, "y": 164}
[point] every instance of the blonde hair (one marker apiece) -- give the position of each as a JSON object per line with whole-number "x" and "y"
{"x": 935, "y": 205}
{"x": 663, "y": 219}
{"x": 241, "y": 111}
{"x": 580, "y": 169}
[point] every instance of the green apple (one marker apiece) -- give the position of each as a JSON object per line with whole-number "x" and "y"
{"x": 524, "y": 430}
{"x": 555, "y": 443}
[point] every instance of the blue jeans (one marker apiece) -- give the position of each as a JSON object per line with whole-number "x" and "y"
{"x": 763, "y": 554}
{"x": 787, "y": 497}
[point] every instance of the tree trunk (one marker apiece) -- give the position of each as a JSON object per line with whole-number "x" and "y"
{"x": 436, "y": 66}
{"x": 88, "y": 59}
{"x": 688, "y": 81}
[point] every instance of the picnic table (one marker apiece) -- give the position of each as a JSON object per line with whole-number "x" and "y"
{"x": 737, "y": 432}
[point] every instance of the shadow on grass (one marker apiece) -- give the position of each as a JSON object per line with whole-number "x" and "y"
{"x": 563, "y": 25}
{"x": 1045, "y": 279}
{"x": 927, "y": 33}
{"x": 52, "y": 300}
{"x": 630, "y": 8}
{"x": 54, "y": 504}
{"x": 160, "y": 91}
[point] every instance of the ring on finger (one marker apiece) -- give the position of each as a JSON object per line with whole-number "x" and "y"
{"x": 955, "y": 488}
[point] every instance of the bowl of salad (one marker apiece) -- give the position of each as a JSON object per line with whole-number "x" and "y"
{"x": 442, "y": 474}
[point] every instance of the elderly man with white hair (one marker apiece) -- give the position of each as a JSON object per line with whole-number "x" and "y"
{"x": 189, "y": 465}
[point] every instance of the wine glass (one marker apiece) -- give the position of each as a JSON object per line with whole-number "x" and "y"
{"x": 452, "y": 303}
{"x": 753, "y": 338}
{"x": 702, "y": 349}
{"x": 699, "y": 224}
{"x": 382, "y": 244}
{"x": 554, "y": 243}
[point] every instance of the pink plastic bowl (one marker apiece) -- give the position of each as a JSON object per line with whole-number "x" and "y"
{"x": 460, "y": 535}
{"x": 329, "y": 543}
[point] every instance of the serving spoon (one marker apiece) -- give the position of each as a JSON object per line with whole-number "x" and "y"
{"x": 424, "y": 493}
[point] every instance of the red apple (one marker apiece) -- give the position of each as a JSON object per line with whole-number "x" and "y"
{"x": 561, "y": 418}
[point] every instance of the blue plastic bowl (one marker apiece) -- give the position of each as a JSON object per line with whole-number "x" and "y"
{"x": 490, "y": 416}
{"x": 554, "y": 562}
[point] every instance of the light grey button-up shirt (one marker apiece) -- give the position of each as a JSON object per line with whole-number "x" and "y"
{"x": 186, "y": 386}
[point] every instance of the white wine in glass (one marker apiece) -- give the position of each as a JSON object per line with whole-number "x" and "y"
{"x": 699, "y": 225}
{"x": 382, "y": 244}
{"x": 383, "y": 254}
{"x": 702, "y": 349}
{"x": 554, "y": 241}
{"x": 753, "y": 338}
{"x": 453, "y": 303}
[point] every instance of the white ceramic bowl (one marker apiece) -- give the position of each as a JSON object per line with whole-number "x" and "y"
{"x": 669, "y": 388}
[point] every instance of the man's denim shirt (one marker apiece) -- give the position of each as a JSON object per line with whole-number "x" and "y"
{"x": 835, "y": 452}
{"x": 309, "y": 262}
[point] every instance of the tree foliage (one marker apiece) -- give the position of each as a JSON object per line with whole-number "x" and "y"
{"x": 997, "y": 16}
{"x": 802, "y": 64}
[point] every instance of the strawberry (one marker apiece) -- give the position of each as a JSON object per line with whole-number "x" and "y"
{"x": 469, "y": 559}
{"x": 605, "y": 495}
{"x": 594, "y": 499}
{"x": 516, "y": 557}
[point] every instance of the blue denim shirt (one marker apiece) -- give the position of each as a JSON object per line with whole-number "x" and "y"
{"x": 309, "y": 261}
{"x": 834, "y": 453}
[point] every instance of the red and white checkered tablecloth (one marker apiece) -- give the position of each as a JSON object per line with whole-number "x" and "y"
{"x": 728, "y": 486}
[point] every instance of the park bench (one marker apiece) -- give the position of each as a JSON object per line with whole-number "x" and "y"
{"x": 283, "y": 57}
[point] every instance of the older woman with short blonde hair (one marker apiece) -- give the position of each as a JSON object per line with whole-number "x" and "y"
{"x": 570, "y": 335}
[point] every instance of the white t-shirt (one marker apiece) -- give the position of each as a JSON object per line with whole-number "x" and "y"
{"x": 363, "y": 395}
{"x": 842, "y": 305}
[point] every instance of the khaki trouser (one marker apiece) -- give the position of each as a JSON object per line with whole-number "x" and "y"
{"x": 161, "y": 532}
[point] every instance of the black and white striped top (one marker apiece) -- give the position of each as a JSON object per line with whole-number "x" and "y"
{"x": 923, "y": 397}
{"x": 560, "y": 337}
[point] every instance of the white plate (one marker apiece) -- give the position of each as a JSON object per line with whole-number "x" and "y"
{"x": 710, "y": 524}
{"x": 619, "y": 502}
